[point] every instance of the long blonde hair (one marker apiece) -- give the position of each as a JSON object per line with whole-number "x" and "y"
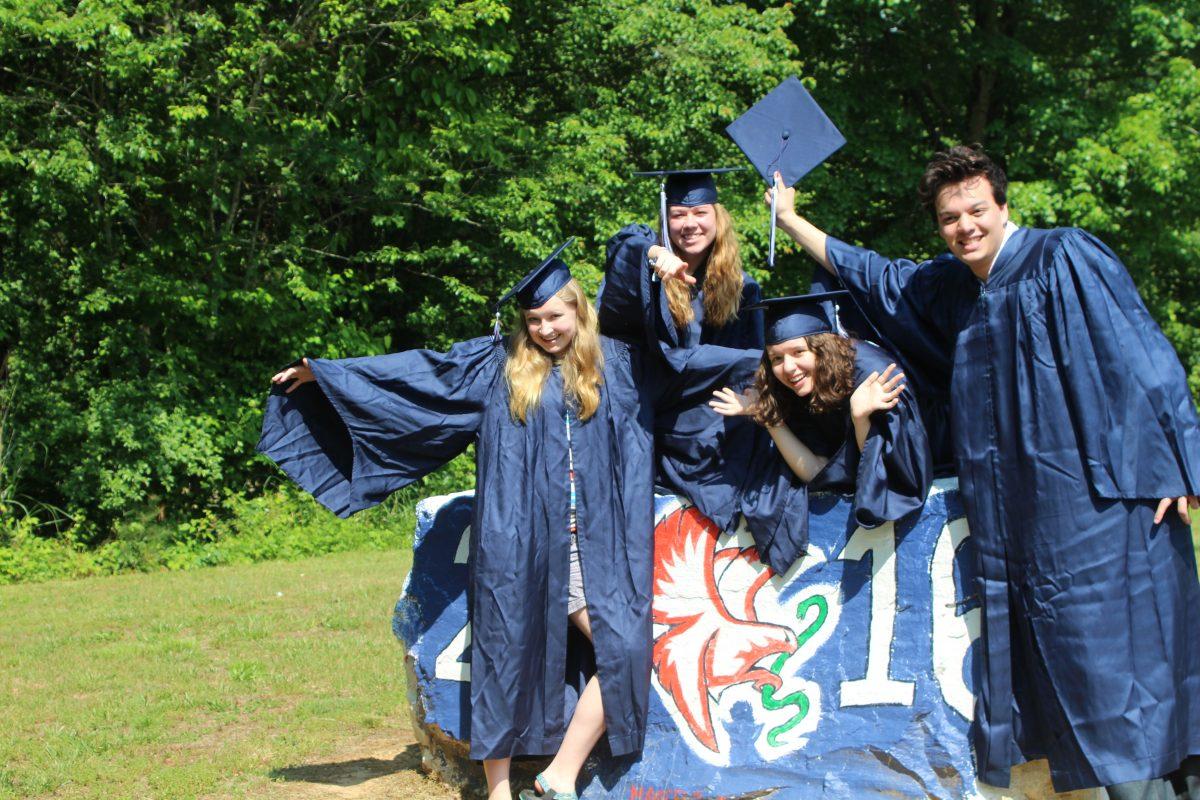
{"x": 582, "y": 364}
{"x": 722, "y": 280}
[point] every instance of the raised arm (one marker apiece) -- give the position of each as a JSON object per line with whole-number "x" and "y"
{"x": 803, "y": 232}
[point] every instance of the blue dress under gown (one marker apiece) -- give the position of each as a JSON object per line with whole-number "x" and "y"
{"x": 369, "y": 426}
{"x": 1070, "y": 418}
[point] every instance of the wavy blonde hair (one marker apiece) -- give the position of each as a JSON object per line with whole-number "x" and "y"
{"x": 582, "y": 364}
{"x": 722, "y": 280}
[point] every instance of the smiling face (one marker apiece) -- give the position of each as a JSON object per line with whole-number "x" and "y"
{"x": 552, "y": 326}
{"x": 971, "y": 223}
{"x": 793, "y": 365}
{"x": 693, "y": 229}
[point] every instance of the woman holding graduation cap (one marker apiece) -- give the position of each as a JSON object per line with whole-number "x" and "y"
{"x": 684, "y": 285}
{"x": 563, "y": 517}
{"x": 841, "y": 419}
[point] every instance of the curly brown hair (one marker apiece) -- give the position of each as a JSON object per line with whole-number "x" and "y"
{"x": 956, "y": 165}
{"x": 833, "y": 382}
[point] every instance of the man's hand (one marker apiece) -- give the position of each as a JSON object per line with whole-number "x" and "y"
{"x": 1181, "y": 506}
{"x": 785, "y": 198}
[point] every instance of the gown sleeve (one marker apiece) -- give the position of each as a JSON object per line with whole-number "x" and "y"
{"x": 627, "y": 305}
{"x": 702, "y": 455}
{"x": 1126, "y": 392}
{"x": 900, "y": 301}
{"x": 369, "y": 426}
{"x": 891, "y": 477}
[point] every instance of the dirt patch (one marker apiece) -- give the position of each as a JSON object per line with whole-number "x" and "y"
{"x": 386, "y": 765}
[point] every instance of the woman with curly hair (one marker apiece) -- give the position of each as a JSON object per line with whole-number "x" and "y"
{"x": 840, "y": 417}
{"x": 562, "y": 533}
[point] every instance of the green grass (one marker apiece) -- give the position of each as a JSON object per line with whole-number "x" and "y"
{"x": 187, "y": 684}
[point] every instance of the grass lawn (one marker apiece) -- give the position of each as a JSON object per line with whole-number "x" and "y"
{"x": 248, "y": 681}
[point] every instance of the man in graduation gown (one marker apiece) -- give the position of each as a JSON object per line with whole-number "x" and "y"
{"x": 1078, "y": 450}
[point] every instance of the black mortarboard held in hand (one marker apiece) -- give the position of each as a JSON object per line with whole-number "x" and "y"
{"x": 536, "y": 288}
{"x": 787, "y": 318}
{"x": 683, "y": 187}
{"x": 785, "y": 131}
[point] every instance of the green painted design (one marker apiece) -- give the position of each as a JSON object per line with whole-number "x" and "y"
{"x": 798, "y": 698}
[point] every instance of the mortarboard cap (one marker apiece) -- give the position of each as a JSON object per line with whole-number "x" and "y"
{"x": 536, "y": 288}
{"x": 787, "y": 318}
{"x": 787, "y": 132}
{"x": 684, "y": 187}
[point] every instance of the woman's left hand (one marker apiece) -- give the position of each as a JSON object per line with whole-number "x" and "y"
{"x": 729, "y": 403}
{"x": 877, "y": 393}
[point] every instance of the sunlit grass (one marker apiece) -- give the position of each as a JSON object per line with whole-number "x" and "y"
{"x": 173, "y": 685}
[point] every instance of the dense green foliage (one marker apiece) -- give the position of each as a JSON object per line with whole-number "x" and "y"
{"x": 193, "y": 194}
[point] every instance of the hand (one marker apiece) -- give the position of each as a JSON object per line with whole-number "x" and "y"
{"x": 298, "y": 375}
{"x": 729, "y": 403}
{"x": 1181, "y": 507}
{"x": 877, "y": 393}
{"x": 785, "y": 197}
{"x": 668, "y": 266}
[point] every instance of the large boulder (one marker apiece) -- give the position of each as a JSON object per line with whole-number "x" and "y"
{"x": 851, "y": 676}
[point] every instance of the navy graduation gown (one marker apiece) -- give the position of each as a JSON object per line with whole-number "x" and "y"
{"x": 369, "y": 426}
{"x": 700, "y": 454}
{"x": 889, "y": 478}
{"x": 1070, "y": 418}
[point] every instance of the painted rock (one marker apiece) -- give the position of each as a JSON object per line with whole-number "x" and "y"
{"x": 851, "y": 676}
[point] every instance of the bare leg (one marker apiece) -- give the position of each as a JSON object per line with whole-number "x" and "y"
{"x": 496, "y": 771}
{"x": 584, "y": 730}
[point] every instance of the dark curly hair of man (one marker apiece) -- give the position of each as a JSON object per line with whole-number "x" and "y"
{"x": 956, "y": 165}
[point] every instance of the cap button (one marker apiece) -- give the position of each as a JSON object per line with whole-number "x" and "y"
{"x": 786, "y": 133}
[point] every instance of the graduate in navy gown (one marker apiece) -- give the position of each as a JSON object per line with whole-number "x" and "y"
{"x": 841, "y": 421}
{"x": 676, "y": 293}
{"x": 1078, "y": 451}
{"x": 562, "y": 421}
{"x": 703, "y": 294}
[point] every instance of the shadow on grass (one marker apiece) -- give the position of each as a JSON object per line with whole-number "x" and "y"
{"x": 352, "y": 772}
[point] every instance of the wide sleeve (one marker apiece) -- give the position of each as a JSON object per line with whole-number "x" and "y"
{"x": 774, "y": 504}
{"x": 687, "y": 376}
{"x": 911, "y": 308}
{"x": 626, "y": 304}
{"x": 1126, "y": 392}
{"x": 369, "y": 426}
{"x": 892, "y": 474}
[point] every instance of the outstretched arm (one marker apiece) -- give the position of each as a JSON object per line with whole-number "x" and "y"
{"x": 803, "y": 232}
{"x": 801, "y": 460}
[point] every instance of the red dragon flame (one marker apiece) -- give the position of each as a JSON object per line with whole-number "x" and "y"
{"x": 706, "y": 648}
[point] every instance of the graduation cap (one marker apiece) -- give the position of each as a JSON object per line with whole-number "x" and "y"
{"x": 684, "y": 187}
{"x": 536, "y": 288}
{"x": 787, "y": 132}
{"x": 787, "y": 318}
